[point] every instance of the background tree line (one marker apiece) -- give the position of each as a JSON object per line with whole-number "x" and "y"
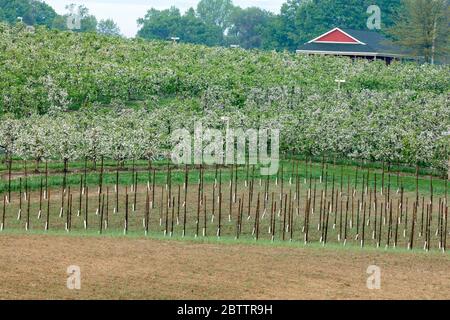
{"x": 36, "y": 12}
{"x": 420, "y": 26}
{"x": 297, "y": 22}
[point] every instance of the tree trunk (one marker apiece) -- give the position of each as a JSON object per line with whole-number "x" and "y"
{"x": 448, "y": 170}
{"x": 66, "y": 161}
{"x": 36, "y": 165}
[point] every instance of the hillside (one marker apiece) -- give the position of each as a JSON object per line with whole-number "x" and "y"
{"x": 93, "y": 68}
{"x": 392, "y": 113}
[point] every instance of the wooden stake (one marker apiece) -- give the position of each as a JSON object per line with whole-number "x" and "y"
{"x": 257, "y": 217}
{"x": 204, "y": 216}
{"x": 274, "y": 220}
{"x": 10, "y": 161}
{"x": 81, "y": 196}
{"x": 147, "y": 210}
{"x": 397, "y": 220}
{"x": 346, "y": 217}
{"x": 117, "y": 189}
{"x": 241, "y": 213}
{"x": 135, "y": 192}
{"x": 380, "y": 224}
{"x": 446, "y": 229}
{"x": 173, "y": 216}
{"x": 363, "y": 225}
{"x": 125, "y": 230}
{"x": 153, "y": 188}
{"x": 47, "y": 222}
{"x": 166, "y": 224}
{"x": 69, "y": 225}
{"x": 197, "y": 221}
{"x": 327, "y": 220}
{"x": 220, "y": 215}
{"x": 107, "y": 209}
{"x": 27, "y": 227}
{"x": 271, "y": 214}
{"x": 161, "y": 206}
{"x": 284, "y": 217}
{"x": 389, "y": 224}
{"x": 230, "y": 208}
{"x": 101, "y": 213}
{"x": 19, "y": 216}
{"x": 413, "y": 222}
{"x": 40, "y": 197}
{"x": 178, "y": 204}
{"x": 238, "y": 219}
{"x": 86, "y": 209}
{"x": 186, "y": 184}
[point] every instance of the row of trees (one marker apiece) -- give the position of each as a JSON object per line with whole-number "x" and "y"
{"x": 392, "y": 127}
{"x": 48, "y": 70}
{"x": 66, "y": 137}
{"x": 420, "y": 26}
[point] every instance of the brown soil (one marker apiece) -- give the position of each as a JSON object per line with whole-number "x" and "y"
{"x": 123, "y": 268}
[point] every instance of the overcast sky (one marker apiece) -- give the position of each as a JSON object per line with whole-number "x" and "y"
{"x": 126, "y": 12}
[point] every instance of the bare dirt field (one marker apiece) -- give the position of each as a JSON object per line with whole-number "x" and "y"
{"x": 34, "y": 267}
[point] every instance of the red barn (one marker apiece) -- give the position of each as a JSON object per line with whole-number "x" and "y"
{"x": 352, "y": 43}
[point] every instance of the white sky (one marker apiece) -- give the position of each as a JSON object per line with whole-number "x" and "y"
{"x": 126, "y": 12}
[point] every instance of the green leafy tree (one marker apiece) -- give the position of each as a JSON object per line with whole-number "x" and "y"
{"x": 251, "y": 28}
{"x": 422, "y": 27}
{"x": 160, "y": 24}
{"x": 170, "y": 23}
{"x": 108, "y": 27}
{"x": 60, "y": 23}
{"x": 216, "y": 12}
{"x": 33, "y": 12}
{"x": 194, "y": 30}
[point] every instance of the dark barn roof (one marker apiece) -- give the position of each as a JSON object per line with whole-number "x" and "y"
{"x": 371, "y": 44}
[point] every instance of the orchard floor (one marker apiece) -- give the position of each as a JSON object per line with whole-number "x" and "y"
{"x": 34, "y": 267}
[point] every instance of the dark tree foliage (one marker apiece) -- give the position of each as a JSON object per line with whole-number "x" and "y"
{"x": 422, "y": 29}
{"x": 302, "y": 20}
{"x": 221, "y": 23}
{"x": 252, "y": 28}
{"x": 164, "y": 24}
{"x": 298, "y": 22}
{"x": 32, "y": 12}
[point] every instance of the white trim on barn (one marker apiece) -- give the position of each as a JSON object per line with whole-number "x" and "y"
{"x": 375, "y": 54}
{"x": 332, "y": 30}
